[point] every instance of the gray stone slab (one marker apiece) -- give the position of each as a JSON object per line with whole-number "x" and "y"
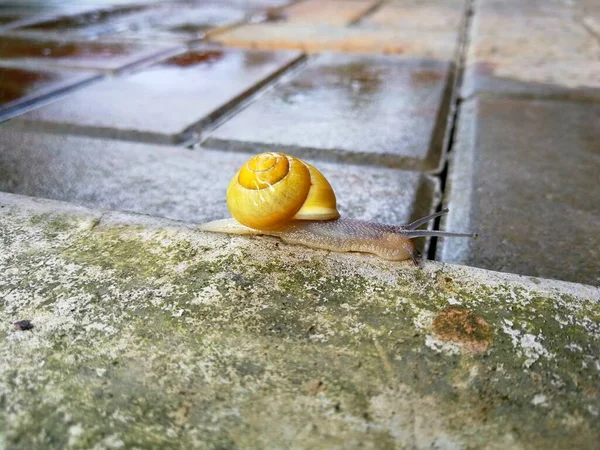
{"x": 376, "y": 109}
{"x": 20, "y": 14}
{"x": 21, "y": 87}
{"x": 107, "y": 56}
{"x": 183, "y": 184}
{"x": 162, "y": 102}
{"x": 512, "y": 8}
{"x": 147, "y": 332}
{"x": 186, "y": 22}
{"x": 432, "y": 15}
{"x": 509, "y": 52}
{"x": 524, "y": 174}
{"x": 486, "y": 77}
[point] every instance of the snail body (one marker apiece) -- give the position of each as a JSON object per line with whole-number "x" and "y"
{"x": 279, "y": 195}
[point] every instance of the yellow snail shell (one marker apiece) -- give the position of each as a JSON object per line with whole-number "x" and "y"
{"x": 272, "y": 189}
{"x": 279, "y": 195}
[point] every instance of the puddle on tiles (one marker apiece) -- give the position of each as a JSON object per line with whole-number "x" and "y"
{"x": 192, "y": 59}
{"x": 191, "y": 22}
{"x": 229, "y": 61}
{"x": 17, "y": 48}
{"x": 194, "y": 29}
{"x": 19, "y": 83}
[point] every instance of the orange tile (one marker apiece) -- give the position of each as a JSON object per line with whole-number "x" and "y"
{"x": 327, "y": 12}
{"x": 286, "y": 36}
{"x": 434, "y": 16}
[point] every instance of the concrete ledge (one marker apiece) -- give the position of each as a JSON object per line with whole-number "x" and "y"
{"x": 147, "y": 333}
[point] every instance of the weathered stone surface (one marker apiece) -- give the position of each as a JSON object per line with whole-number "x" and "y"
{"x": 182, "y": 184}
{"x": 292, "y": 36}
{"x": 509, "y": 53}
{"x": 148, "y": 332}
{"x": 21, "y": 87}
{"x": 524, "y": 174}
{"x": 370, "y": 109}
{"x": 160, "y": 103}
{"x": 435, "y": 16}
{"x": 327, "y": 12}
{"x": 93, "y": 55}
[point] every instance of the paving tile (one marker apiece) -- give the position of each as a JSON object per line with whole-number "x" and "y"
{"x": 512, "y": 8}
{"x": 20, "y": 87}
{"x": 183, "y": 184}
{"x": 92, "y": 55}
{"x": 509, "y": 53}
{"x": 49, "y": 9}
{"x": 88, "y": 23}
{"x": 187, "y": 21}
{"x": 524, "y": 174}
{"x": 327, "y": 12}
{"x": 433, "y": 16}
{"x": 291, "y": 36}
{"x": 375, "y": 109}
{"x": 8, "y": 20}
{"x": 160, "y": 103}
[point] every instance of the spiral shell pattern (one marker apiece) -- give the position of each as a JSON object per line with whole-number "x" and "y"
{"x": 272, "y": 189}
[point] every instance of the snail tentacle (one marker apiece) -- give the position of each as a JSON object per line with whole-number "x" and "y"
{"x": 422, "y": 220}
{"x": 422, "y": 233}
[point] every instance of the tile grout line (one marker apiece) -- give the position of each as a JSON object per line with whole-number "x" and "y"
{"x": 368, "y": 12}
{"x": 199, "y": 132}
{"x": 455, "y": 112}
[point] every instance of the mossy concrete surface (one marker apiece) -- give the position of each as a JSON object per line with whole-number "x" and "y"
{"x": 149, "y": 334}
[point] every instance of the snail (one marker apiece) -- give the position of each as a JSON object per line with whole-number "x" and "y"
{"x": 278, "y": 195}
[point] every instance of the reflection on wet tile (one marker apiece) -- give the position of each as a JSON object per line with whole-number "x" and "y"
{"x": 159, "y": 103}
{"x": 81, "y": 54}
{"x": 193, "y": 59}
{"x": 22, "y": 86}
{"x": 84, "y": 20}
{"x": 50, "y": 9}
{"x": 185, "y": 21}
{"x": 381, "y": 109}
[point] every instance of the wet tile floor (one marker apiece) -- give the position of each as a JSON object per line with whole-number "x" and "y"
{"x": 98, "y": 21}
{"x": 100, "y": 55}
{"x": 162, "y": 102}
{"x": 20, "y": 86}
{"x": 244, "y": 85}
{"x": 327, "y": 109}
